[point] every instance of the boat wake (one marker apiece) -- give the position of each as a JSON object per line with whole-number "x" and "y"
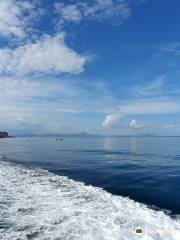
{"x": 36, "y": 204}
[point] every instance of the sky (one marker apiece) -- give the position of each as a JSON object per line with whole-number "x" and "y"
{"x": 96, "y": 66}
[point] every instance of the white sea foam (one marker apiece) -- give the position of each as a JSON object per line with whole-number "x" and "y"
{"x": 36, "y": 204}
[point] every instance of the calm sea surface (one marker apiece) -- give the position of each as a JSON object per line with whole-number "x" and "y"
{"x": 145, "y": 169}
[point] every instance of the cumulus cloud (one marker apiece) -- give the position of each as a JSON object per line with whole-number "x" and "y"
{"x": 135, "y": 124}
{"x": 112, "y": 11}
{"x": 137, "y": 107}
{"x": 111, "y": 120}
{"x": 46, "y": 55}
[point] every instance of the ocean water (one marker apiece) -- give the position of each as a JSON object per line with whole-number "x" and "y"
{"x": 90, "y": 188}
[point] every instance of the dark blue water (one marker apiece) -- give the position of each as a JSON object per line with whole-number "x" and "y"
{"x": 146, "y": 169}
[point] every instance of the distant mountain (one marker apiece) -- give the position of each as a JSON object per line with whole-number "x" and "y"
{"x": 57, "y": 135}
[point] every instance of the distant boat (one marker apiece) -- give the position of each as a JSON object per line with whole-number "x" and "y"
{"x": 59, "y": 139}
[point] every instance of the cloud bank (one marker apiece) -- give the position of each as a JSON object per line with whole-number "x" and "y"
{"x": 46, "y": 103}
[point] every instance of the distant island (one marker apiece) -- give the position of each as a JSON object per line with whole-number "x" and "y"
{"x": 4, "y": 135}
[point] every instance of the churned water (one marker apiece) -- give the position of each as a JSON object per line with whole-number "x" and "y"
{"x": 90, "y": 188}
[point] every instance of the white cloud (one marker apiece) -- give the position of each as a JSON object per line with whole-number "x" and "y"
{"x": 14, "y": 16}
{"x": 31, "y": 104}
{"x": 70, "y": 13}
{"x": 135, "y": 124}
{"x": 10, "y": 15}
{"x": 101, "y": 87}
{"x": 49, "y": 102}
{"x": 46, "y": 104}
{"x": 138, "y": 107}
{"x": 108, "y": 10}
{"x": 173, "y": 47}
{"x": 46, "y": 55}
{"x": 111, "y": 120}
{"x": 99, "y": 10}
{"x": 171, "y": 126}
{"x": 22, "y": 89}
{"x": 155, "y": 106}
{"x": 151, "y": 88}
{"x": 18, "y": 16}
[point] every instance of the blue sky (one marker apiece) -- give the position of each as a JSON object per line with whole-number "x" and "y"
{"x": 99, "y": 66}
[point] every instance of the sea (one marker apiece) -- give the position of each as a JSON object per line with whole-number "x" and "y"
{"x": 90, "y": 188}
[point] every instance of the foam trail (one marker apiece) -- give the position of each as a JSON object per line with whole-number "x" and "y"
{"x": 36, "y": 204}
